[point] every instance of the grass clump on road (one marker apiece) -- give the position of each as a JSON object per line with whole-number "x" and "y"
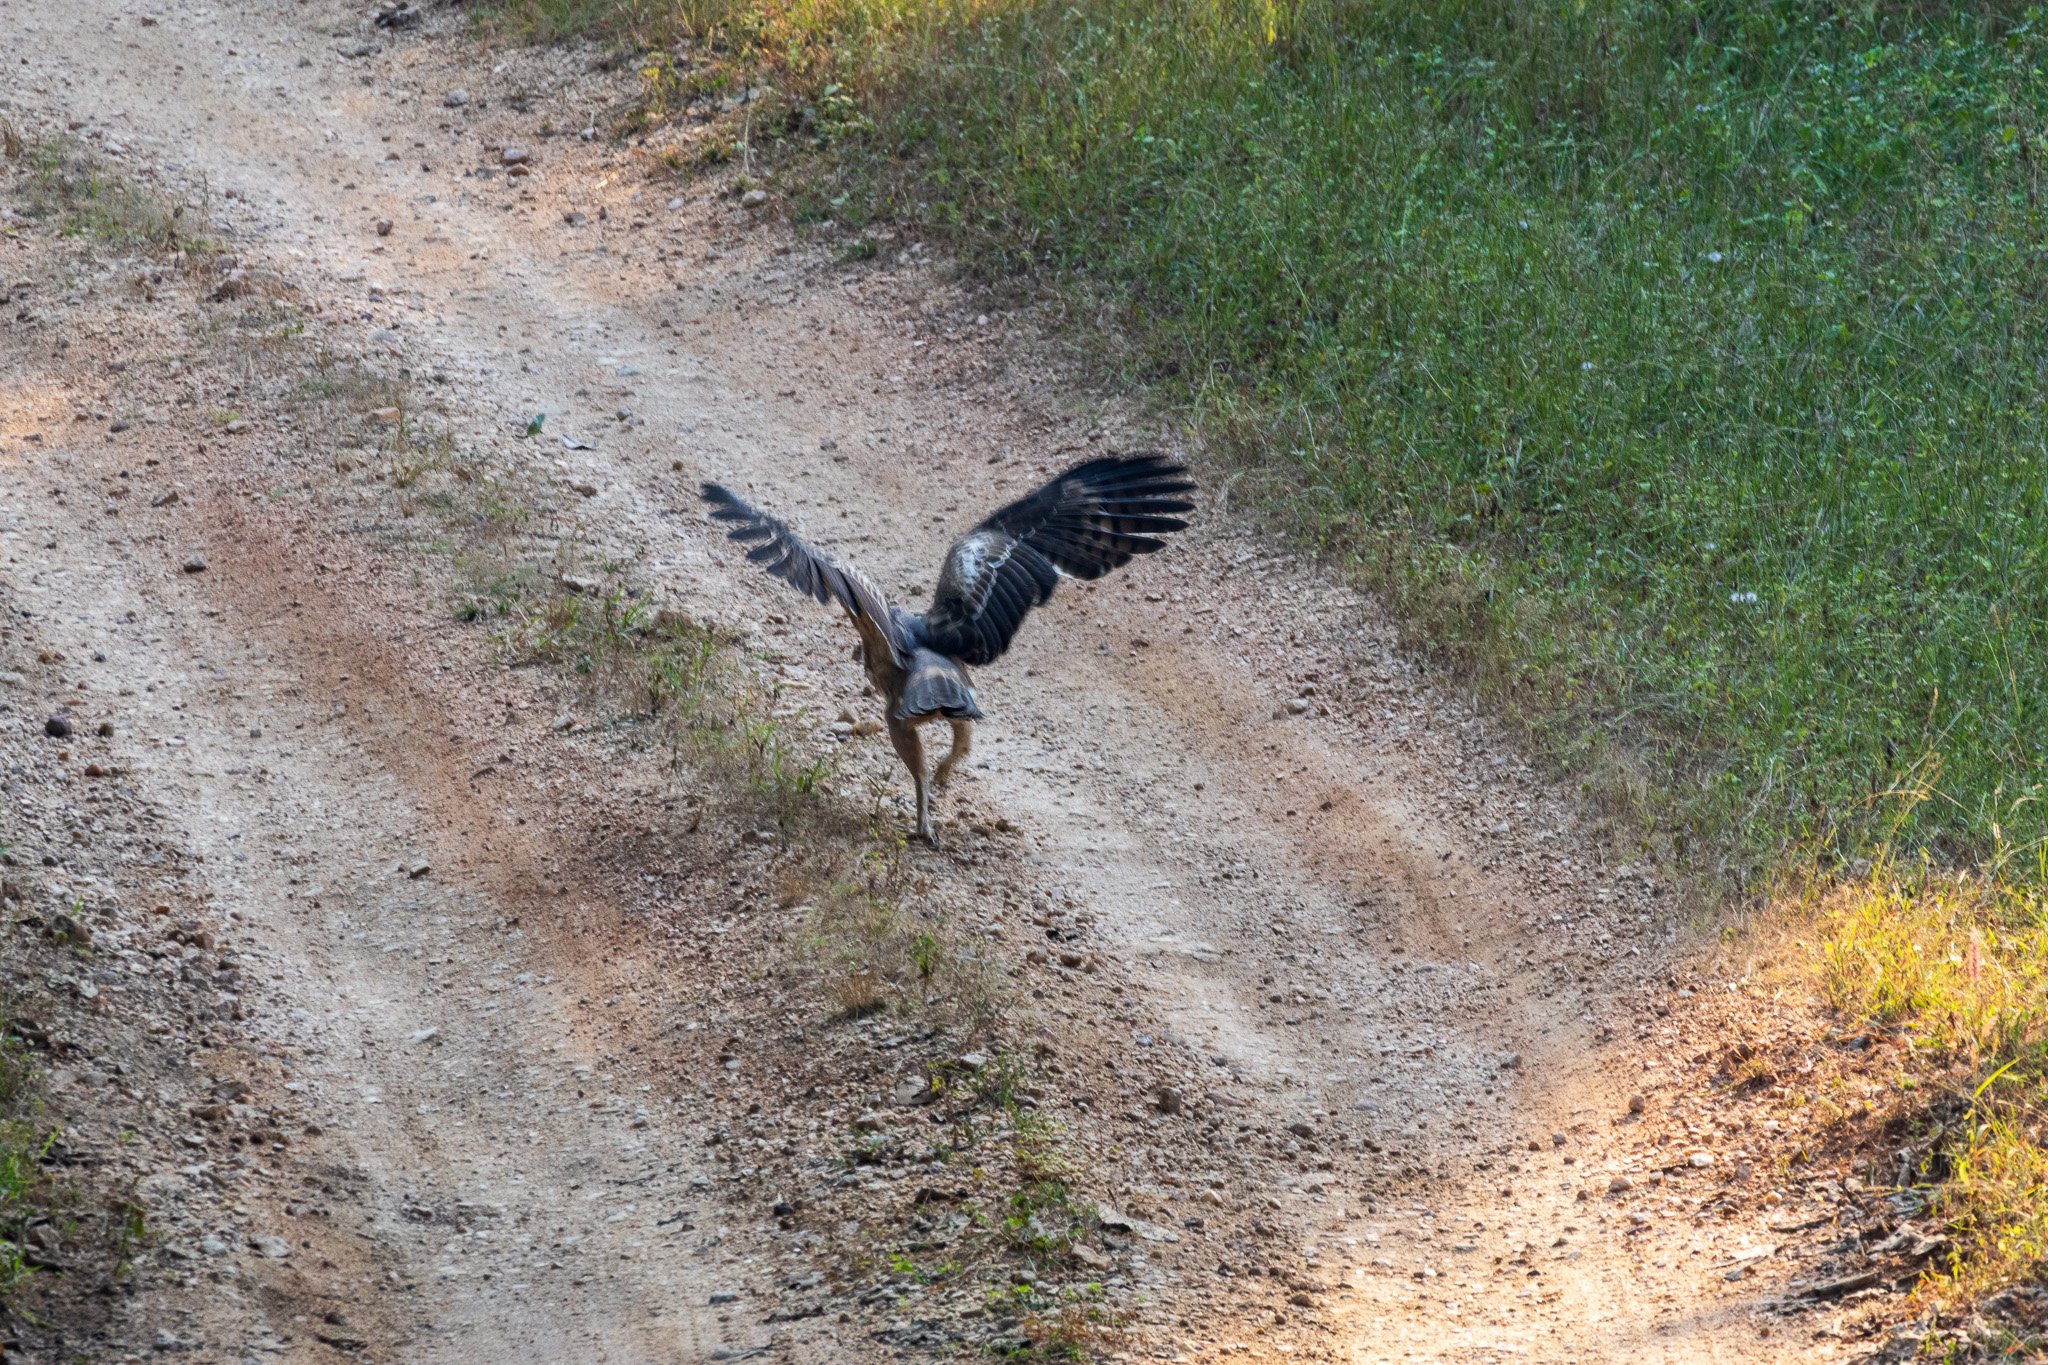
{"x": 24, "y": 1140}
{"x": 666, "y": 667}
{"x": 68, "y": 186}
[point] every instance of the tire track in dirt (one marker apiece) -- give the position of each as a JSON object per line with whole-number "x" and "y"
{"x": 490, "y": 1164}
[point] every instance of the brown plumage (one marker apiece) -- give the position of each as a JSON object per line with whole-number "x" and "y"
{"x": 1081, "y": 524}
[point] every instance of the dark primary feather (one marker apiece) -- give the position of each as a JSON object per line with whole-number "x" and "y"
{"x": 1084, "y": 523}
{"x": 786, "y": 555}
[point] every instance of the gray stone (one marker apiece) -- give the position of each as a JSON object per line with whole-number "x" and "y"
{"x": 276, "y": 1248}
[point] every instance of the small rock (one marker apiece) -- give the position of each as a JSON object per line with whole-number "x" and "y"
{"x": 384, "y": 226}
{"x": 58, "y": 727}
{"x": 1637, "y": 1104}
{"x": 237, "y": 426}
{"x": 724, "y": 1296}
{"x": 1302, "y": 1128}
{"x": 1297, "y": 706}
{"x": 455, "y": 99}
{"x": 276, "y": 1248}
{"x": 1169, "y": 1100}
{"x": 386, "y": 416}
{"x": 915, "y": 1089}
{"x": 753, "y": 199}
{"x": 420, "y": 867}
{"x": 562, "y": 723}
{"x": 1621, "y": 1184}
{"x": 972, "y": 1061}
{"x": 514, "y": 156}
{"x": 869, "y": 1122}
{"x": 165, "y": 499}
{"x": 1701, "y": 1159}
{"x": 195, "y": 563}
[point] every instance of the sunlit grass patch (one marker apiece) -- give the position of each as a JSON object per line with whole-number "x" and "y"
{"x": 1957, "y": 968}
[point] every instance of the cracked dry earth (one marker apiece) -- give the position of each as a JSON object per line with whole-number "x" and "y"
{"x": 1337, "y": 1008}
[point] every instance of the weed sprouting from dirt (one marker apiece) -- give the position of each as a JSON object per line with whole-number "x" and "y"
{"x": 48, "y": 1222}
{"x": 680, "y": 679}
{"x": 67, "y": 185}
{"x": 858, "y": 939}
{"x": 24, "y": 1140}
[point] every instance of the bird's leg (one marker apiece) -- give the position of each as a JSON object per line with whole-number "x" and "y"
{"x": 963, "y": 742}
{"x": 910, "y": 749}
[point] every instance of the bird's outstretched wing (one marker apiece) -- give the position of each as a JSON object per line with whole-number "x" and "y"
{"x": 1087, "y": 521}
{"x": 783, "y": 553}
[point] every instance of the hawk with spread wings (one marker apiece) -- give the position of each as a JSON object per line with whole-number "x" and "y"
{"x": 1093, "y": 518}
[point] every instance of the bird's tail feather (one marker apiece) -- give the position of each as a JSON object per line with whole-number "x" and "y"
{"x": 936, "y": 686}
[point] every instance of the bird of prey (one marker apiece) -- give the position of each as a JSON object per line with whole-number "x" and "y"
{"x": 1087, "y": 521}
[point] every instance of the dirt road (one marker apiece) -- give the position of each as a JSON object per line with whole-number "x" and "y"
{"x": 1403, "y": 998}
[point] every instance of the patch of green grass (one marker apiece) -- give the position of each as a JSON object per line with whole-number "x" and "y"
{"x": 549, "y": 20}
{"x": 666, "y": 669}
{"x": 25, "y": 1137}
{"x": 66, "y": 184}
{"x": 869, "y": 952}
